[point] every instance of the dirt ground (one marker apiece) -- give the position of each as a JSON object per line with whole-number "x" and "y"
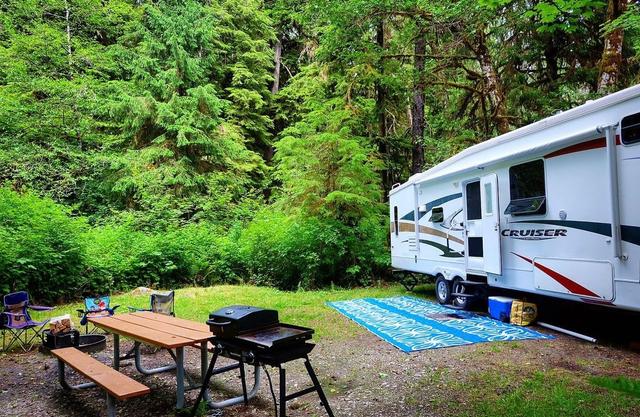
{"x": 362, "y": 375}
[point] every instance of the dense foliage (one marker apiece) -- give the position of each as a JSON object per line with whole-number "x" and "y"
{"x": 194, "y": 142}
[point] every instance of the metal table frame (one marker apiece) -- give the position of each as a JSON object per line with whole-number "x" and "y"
{"x": 178, "y": 357}
{"x": 177, "y": 354}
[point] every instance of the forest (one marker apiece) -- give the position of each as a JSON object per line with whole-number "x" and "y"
{"x": 168, "y": 143}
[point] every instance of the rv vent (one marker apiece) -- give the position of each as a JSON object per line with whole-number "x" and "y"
{"x": 413, "y": 243}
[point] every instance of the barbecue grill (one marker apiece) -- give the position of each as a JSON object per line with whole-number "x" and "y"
{"x": 255, "y": 336}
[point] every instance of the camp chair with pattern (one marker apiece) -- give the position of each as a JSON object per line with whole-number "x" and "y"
{"x": 160, "y": 302}
{"x": 95, "y": 307}
{"x": 17, "y": 322}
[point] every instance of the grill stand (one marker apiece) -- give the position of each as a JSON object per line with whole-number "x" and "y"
{"x": 315, "y": 388}
{"x": 257, "y": 361}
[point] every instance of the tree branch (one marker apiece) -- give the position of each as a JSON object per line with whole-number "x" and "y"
{"x": 429, "y": 56}
{"x": 456, "y": 85}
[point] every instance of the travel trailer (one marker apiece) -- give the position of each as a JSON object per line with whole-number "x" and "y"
{"x": 552, "y": 208}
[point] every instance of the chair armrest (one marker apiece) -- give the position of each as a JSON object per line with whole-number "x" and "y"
{"x": 80, "y": 312}
{"x": 114, "y": 307}
{"x": 14, "y": 314}
{"x": 40, "y": 308}
{"x": 98, "y": 311}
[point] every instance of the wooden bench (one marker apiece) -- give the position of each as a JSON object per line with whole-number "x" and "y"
{"x": 117, "y": 386}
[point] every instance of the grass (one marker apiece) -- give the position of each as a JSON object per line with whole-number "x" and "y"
{"x": 506, "y": 390}
{"x": 619, "y": 383}
{"x": 499, "y": 393}
{"x": 304, "y": 308}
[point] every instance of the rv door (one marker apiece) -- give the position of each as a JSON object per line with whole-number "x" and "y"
{"x": 490, "y": 224}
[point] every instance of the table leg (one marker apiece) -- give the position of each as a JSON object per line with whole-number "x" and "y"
{"x": 205, "y": 382}
{"x": 116, "y": 351}
{"x": 111, "y": 406}
{"x": 204, "y": 360}
{"x": 145, "y": 371}
{"x": 180, "y": 377}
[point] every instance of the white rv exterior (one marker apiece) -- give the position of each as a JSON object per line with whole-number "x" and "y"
{"x": 552, "y": 208}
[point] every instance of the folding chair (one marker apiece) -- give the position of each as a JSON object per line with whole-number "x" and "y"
{"x": 95, "y": 307}
{"x": 16, "y": 320}
{"x": 163, "y": 303}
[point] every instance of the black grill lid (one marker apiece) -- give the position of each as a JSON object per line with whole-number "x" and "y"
{"x": 232, "y": 320}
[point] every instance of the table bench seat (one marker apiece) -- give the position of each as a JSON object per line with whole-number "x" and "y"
{"x": 117, "y": 385}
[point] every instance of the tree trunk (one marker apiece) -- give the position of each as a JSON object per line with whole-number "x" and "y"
{"x": 492, "y": 84}
{"x": 66, "y": 17}
{"x": 278, "y": 64}
{"x": 611, "y": 61}
{"x": 380, "y": 109}
{"x": 551, "y": 60}
{"x": 417, "y": 107}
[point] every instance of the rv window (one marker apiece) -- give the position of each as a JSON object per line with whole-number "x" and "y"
{"x": 473, "y": 201}
{"x": 631, "y": 129}
{"x": 475, "y": 246}
{"x": 526, "y": 184}
{"x": 488, "y": 199}
{"x": 437, "y": 215}
{"x": 395, "y": 220}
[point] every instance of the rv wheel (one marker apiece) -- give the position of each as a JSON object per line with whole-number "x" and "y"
{"x": 461, "y": 302}
{"x": 443, "y": 290}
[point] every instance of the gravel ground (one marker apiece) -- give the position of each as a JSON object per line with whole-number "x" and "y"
{"x": 362, "y": 375}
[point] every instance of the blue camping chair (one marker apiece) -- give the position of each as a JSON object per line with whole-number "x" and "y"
{"x": 16, "y": 320}
{"x": 162, "y": 303}
{"x": 95, "y": 307}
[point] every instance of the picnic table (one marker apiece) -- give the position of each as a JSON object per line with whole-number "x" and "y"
{"x": 167, "y": 332}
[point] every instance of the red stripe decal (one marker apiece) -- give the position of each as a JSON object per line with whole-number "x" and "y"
{"x": 584, "y": 146}
{"x": 523, "y": 257}
{"x": 569, "y": 284}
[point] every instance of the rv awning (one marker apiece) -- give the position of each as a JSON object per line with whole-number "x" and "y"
{"x": 469, "y": 165}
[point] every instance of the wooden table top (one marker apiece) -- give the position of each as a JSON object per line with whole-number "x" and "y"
{"x": 155, "y": 329}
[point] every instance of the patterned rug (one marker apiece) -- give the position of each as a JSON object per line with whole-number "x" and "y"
{"x": 412, "y": 324}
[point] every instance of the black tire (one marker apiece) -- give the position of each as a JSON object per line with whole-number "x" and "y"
{"x": 462, "y": 302}
{"x": 443, "y": 290}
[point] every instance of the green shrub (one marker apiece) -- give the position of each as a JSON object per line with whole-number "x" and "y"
{"x": 122, "y": 258}
{"x": 41, "y": 249}
{"x": 212, "y": 253}
{"x": 45, "y": 250}
{"x": 291, "y": 251}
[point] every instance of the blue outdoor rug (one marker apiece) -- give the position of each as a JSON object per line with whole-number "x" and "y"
{"x": 412, "y": 324}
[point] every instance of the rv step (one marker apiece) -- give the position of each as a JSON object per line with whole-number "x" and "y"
{"x": 462, "y": 295}
{"x": 471, "y": 283}
{"x": 453, "y": 306}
